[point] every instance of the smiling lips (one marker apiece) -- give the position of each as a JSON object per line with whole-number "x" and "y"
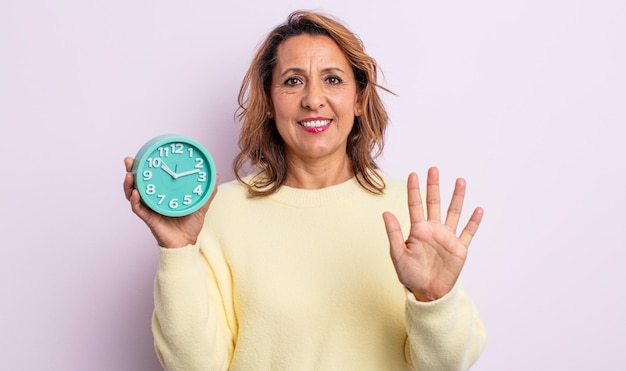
{"x": 315, "y": 126}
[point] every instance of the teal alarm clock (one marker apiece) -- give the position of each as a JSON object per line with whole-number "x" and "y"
{"x": 174, "y": 175}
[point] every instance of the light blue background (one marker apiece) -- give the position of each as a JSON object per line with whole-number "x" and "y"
{"x": 526, "y": 99}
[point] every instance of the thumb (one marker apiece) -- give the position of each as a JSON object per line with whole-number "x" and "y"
{"x": 394, "y": 233}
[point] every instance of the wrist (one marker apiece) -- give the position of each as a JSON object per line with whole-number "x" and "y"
{"x": 174, "y": 243}
{"x": 424, "y": 297}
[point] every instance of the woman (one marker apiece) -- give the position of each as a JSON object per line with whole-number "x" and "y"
{"x": 289, "y": 268}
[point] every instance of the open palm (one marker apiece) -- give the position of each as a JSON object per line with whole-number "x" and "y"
{"x": 430, "y": 260}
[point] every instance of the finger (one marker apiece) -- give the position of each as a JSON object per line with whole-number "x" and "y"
{"x": 433, "y": 206}
{"x": 128, "y": 162}
{"x": 129, "y": 181}
{"x": 136, "y": 205}
{"x": 456, "y": 204}
{"x": 472, "y": 226}
{"x": 132, "y": 195}
{"x": 394, "y": 233}
{"x": 416, "y": 208}
{"x": 142, "y": 211}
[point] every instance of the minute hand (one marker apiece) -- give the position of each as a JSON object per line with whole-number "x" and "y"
{"x": 188, "y": 173}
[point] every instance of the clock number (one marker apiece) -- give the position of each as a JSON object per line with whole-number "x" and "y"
{"x": 154, "y": 162}
{"x": 147, "y": 175}
{"x": 199, "y": 163}
{"x": 161, "y": 199}
{"x": 190, "y": 149}
{"x": 164, "y": 151}
{"x": 202, "y": 176}
{"x": 198, "y": 190}
{"x": 187, "y": 200}
{"x": 177, "y": 148}
{"x": 173, "y": 203}
{"x": 150, "y": 189}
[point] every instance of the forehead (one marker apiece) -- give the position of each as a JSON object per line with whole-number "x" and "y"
{"x": 305, "y": 48}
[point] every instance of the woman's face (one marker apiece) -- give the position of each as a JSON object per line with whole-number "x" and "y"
{"x": 314, "y": 98}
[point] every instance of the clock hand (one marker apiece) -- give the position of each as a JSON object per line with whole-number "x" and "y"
{"x": 169, "y": 171}
{"x": 184, "y": 173}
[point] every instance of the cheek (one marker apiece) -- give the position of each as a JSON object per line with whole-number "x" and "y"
{"x": 282, "y": 123}
{"x": 283, "y": 106}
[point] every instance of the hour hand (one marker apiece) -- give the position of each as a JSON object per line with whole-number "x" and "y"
{"x": 169, "y": 171}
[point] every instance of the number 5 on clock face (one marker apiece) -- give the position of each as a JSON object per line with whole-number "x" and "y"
{"x": 174, "y": 175}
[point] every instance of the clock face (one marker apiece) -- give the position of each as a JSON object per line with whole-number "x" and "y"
{"x": 174, "y": 175}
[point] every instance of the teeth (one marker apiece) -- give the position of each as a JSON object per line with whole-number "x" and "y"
{"x": 315, "y": 123}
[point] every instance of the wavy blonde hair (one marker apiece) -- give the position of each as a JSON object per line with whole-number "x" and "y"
{"x": 259, "y": 141}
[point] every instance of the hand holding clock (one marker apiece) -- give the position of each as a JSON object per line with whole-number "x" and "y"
{"x": 169, "y": 232}
{"x": 171, "y": 203}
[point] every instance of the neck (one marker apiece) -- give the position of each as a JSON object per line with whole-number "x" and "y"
{"x": 316, "y": 174}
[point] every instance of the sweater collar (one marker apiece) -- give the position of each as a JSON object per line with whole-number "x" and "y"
{"x": 316, "y": 197}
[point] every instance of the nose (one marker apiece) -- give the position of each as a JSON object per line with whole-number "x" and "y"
{"x": 313, "y": 97}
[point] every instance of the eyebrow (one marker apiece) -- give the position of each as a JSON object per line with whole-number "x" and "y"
{"x": 298, "y": 70}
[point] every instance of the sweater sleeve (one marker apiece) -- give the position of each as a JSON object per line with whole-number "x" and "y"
{"x": 189, "y": 322}
{"x": 445, "y": 334}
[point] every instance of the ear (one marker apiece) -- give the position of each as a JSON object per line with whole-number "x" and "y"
{"x": 358, "y": 106}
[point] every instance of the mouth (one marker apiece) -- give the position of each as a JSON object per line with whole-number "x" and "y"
{"x": 315, "y": 126}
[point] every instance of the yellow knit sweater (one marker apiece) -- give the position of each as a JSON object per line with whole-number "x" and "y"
{"x": 302, "y": 280}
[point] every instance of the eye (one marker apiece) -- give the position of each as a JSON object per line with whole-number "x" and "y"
{"x": 293, "y": 81}
{"x": 334, "y": 80}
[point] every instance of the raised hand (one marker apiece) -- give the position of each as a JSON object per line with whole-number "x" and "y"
{"x": 429, "y": 262}
{"x": 169, "y": 232}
